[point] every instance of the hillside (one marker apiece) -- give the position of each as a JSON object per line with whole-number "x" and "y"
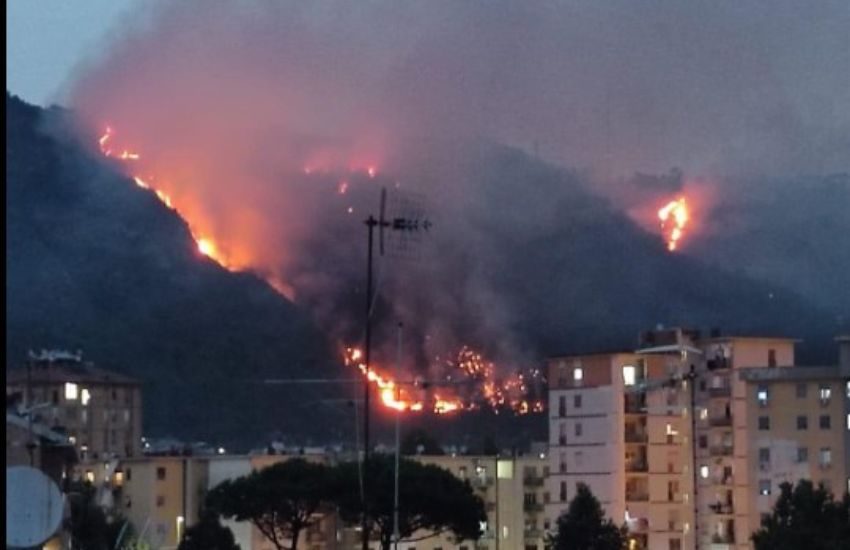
{"x": 97, "y": 264}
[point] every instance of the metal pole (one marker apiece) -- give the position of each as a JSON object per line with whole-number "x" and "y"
{"x": 29, "y": 408}
{"x": 370, "y": 223}
{"x": 396, "y": 534}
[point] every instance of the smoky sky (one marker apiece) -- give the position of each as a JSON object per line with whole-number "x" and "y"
{"x": 252, "y": 114}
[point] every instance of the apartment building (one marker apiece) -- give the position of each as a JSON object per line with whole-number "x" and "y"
{"x": 514, "y": 495}
{"x": 680, "y": 437}
{"x": 629, "y": 445}
{"x": 99, "y": 411}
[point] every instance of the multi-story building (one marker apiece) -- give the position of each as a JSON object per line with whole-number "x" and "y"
{"x": 99, "y": 411}
{"x": 629, "y": 447}
{"x": 680, "y": 437}
{"x": 514, "y": 495}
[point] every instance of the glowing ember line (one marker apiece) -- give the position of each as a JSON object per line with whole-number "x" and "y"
{"x": 675, "y": 211}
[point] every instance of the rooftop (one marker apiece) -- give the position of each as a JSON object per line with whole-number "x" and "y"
{"x": 59, "y": 367}
{"x": 774, "y": 374}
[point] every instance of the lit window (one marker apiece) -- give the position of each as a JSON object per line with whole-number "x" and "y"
{"x": 761, "y": 395}
{"x": 504, "y": 531}
{"x": 703, "y": 413}
{"x": 578, "y": 374}
{"x": 703, "y": 471}
{"x": 90, "y": 476}
{"x": 71, "y": 391}
{"x": 85, "y": 396}
{"x": 119, "y": 478}
{"x": 825, "y": 393}
{"x": 629, "y": 375}
{"x": 764, "y": 487}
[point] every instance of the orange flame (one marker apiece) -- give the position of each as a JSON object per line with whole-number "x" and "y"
{"x": 675, "y": 211}
{"x": 205, "y": 245}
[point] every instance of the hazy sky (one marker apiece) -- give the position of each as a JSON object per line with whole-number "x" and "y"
{"x": 45, "y": 39}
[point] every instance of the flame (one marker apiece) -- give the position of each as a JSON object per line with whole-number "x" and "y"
{"x": 675, "y": 211}
{"x": 205, "y": 245}
{"x": 469, "y": 370}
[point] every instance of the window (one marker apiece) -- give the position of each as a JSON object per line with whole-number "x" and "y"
{"x": 462, "y": 472}
{"x": 825, "y": 393}
{"x": 764, "y": 423}
{"x": 672, "y": 490}
{"x": 825, "y": 457}
{"x": 129, "y": 474}
{"x": 85, "y": 396}
{"x": 90, "y": 476}
{"x": 802, "y": 390}
{"x": 825, "y": 422}
{"x": 675, "y": 544}
{"x": 764, "y": 455}
{"x": 562, "y": 465}
{"x": 629, "y": 375}
{"x": 703, "y": 471}
{"x": 562, "y": 406}
{"x": 71, "y": 391}
{"x": 55, "y": 397}
{"x": 577, "y": 401}
{"x": 761, "y": 395}
{"x": 563, "y": 492}
{"x": 771, "y": 358}
{"x": 578, "y": 458}
{"x": 160, "y": 501}
{"x": 578, "y": 375}
{"x": 546, "y": 497}
{"x": 703, "y": 441}
{"x": 802, "y": 422}
{"x": 764, "y": 487}
{"x": 160, "y": 473}
{"x": 578, "y": 429}
{"x": 562, "y": 434}
{"x": 802, "y": 455}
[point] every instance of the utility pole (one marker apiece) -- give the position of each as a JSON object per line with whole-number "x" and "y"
{"x": 396, "y": 534}
{"x": 408, "y": 223}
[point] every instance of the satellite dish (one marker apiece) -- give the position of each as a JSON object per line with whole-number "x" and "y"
{"x": 34, "y": 507}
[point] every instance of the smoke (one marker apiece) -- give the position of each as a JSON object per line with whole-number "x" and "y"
{"x": 254, "y": 116}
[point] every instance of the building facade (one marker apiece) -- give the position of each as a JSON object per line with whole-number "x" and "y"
{"x": 684, "y": 439}
{"x": 99, "y": 411}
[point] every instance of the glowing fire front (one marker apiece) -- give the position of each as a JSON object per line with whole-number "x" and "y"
{"x": 465, "y": 383}
{"x": 205, "y": 245}
{"x": 674, "y": 218}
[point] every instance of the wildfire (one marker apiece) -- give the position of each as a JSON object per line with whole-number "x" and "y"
{"x": 469, "y": 379}
{"x": 676, "y": 213}
{"x": 205, "y": 245}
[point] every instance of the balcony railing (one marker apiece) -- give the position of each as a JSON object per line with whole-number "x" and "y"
{"x": 721, "y": 508}
{"x": 637, "y": 496}
{"x": 534, "y": 533}
{"x": 533, "y": 481}
{"x": 720, "y": 421}
{"x": 721, "y": 391}
{"x": 636, "y": 436}
{"x": 728, "y": 538}
{"x": 532, "y": 507}
{"x": 721, "y": 450}
{"x": 635, "y": 403}
{"x": 637, "y": 466}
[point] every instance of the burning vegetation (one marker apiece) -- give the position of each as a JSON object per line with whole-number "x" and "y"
{"x": 674, "y": 218}
{"x": 463, "y": 382}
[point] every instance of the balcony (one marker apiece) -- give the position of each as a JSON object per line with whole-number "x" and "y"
{"x": 534, "y": 533}
{"x": 728, "y": 538}
{"x": 722, "y": 508}
{"x": 533, "y": 480}
{"x": 719, "y": 363}
{"x": 634, "y": 403}
{"x": 721, "y": 450}
{"x": 720, "y": 421}
{"x": 721, "y": 391}
{"x": 723, "y": 480}
{"x": 532, "y": 507}
{"x": 636, "y": 436}
{"x": 637, "y": 466}
{"x": 637, "y": 496}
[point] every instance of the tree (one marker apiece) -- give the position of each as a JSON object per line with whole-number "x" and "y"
{"x": 281, "y": 500}
{"x": 431, "y": 500}
{"x": 584, "y": 526}
{"x": 208, "y": 534}
{"x": 90, "y": 527}
{"x": 805, "y": 516}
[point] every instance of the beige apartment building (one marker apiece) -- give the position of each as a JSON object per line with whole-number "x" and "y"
{"x": 99, "y": 411}
{"x": 683, "y": 438}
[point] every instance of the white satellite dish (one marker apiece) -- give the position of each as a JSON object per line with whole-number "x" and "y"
{"x": 34, "y": 507}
